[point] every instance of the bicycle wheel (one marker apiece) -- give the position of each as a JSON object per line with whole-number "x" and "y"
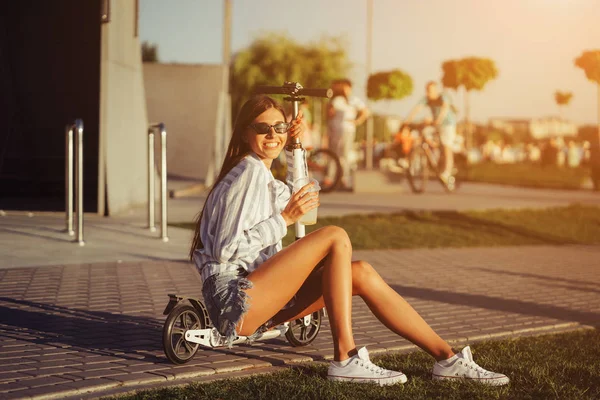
{"x": 417, "y": 172}
{"x": 182, "y": 318}
{"x": 324, "y": 166}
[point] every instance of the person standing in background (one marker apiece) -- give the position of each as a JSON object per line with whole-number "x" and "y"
{"x": 345, "y": 112}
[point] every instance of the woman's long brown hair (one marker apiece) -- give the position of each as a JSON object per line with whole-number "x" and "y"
{"x": 237, "y": 150}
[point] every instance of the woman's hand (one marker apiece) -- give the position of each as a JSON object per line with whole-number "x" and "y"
{"x": 300, "y": 203}
{"x": 297, "y": 128}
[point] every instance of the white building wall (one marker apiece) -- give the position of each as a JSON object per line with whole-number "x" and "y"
{"x": 123, "y": 121}
{"x": 187, "y": 98}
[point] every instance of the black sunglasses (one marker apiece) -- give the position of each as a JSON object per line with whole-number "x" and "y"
{"x": 262, "y": 128}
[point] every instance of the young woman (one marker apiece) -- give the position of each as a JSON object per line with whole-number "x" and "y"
{"x": 251, "y": 284}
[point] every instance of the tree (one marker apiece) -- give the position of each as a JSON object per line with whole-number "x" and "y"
{"x": 471, "y": 73}
{"x": 273, "y": 59}
{"x": 390, "y": 85}
{"x": 589, "y": 61}
{"x": 149, "y": 52}
{"x": 562, "y": 99}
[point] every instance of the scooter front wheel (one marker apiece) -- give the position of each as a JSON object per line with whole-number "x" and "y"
{"x": 181, "y": 319}
{"x": 302, "y": 332}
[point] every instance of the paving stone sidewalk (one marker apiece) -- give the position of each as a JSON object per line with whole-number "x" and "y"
{"x": 81, "y": 330}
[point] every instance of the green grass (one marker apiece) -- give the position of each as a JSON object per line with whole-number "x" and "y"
{"x": 563, "y": 366}
{"x": 562, "y": 225}
{"x": 529, "y": 175}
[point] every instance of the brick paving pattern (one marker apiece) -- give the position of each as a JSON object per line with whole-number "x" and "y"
{"x": 70, "y": 330}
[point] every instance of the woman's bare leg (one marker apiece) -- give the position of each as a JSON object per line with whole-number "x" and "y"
{"x": 387, "y": 305}
{"x": 395, "y": 312}
{"x": 277, "y": 280}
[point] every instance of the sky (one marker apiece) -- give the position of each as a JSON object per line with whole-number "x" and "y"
{"x": 533, "y": 42}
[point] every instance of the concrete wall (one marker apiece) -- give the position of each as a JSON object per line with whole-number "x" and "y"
{"x": 186, "y": 98}
{"x": 123, "y": 127}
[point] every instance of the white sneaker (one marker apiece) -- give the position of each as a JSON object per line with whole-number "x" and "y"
{"x": 445, "y": 176}
{"x": 449, "y": 180}
{"x": 361, "y": 369}
{"x": 463, "y": 367}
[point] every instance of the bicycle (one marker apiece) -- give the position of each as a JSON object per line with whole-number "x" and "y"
{"x": 323, "y": 165}
{"x": 427, "y": 156}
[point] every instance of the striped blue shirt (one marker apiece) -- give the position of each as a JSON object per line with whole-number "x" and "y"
{"x": 242, "y": 225}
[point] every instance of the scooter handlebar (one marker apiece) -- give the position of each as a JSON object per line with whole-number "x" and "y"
{"x": 327, "y": 93}
{"x": 290, "y": 91}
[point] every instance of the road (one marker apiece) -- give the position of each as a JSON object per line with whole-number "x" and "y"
{"x": 36, "y": 239}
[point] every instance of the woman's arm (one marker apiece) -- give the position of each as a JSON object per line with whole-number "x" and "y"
{"x": 413, "y": 113}
{"x": 362, "y": 116}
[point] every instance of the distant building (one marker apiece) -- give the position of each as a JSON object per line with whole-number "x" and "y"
{"x": 509, "y": 125}
{"x": 551, "y": 127}
{"x": 538, "y": 128}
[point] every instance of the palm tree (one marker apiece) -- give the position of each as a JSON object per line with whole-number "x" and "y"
{"x": 589, "y": 61}
{"x": 472, "y": 73}
{"x": 389, "y": 85}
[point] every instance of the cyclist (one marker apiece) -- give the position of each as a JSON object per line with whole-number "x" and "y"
{"x": 444, "y": 118}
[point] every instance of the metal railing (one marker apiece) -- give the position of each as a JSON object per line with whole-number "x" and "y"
{"x": 76, "y": 126}
{"x": 163, "y": 180}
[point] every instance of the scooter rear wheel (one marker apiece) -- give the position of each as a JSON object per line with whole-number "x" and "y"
{"x": 182, "y": 318}
{"x": 300, "y": 334}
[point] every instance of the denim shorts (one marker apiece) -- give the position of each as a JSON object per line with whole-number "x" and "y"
{"x": 227, "y": 303}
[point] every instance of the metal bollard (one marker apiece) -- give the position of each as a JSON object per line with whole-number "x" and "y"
{"x": 163, "y": 180}
{"x": 151, "y": 180}
{"x": 69, "y": 178}
{"x": 77, "y": 126}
